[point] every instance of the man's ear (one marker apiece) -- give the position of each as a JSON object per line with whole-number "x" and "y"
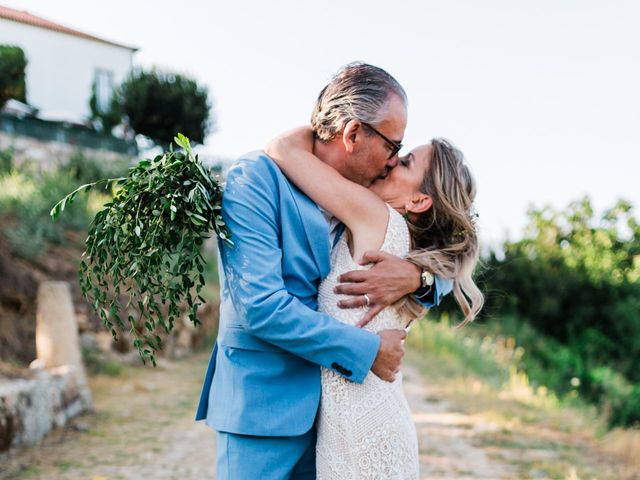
{"x": 350, "y": 135}
{"x": 420, "y": 202}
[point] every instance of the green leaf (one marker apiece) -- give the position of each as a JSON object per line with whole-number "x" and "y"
{"x": 183, "y": 142}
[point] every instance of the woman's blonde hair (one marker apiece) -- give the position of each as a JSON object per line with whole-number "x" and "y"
{"x": 445, "y": 237}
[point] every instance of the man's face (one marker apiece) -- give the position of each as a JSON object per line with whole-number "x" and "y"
{"x": 370, "y": 160}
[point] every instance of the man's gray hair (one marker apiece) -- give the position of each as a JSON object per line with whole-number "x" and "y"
{"x": 357, "y": 92}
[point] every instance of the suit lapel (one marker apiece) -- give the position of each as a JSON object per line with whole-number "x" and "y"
{"x": 315, "y": 227}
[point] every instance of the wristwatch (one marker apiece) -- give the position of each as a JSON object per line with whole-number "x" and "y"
{"x": 426, "y": 278}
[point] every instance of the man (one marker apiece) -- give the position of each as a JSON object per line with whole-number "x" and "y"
{"x": 262, "y": 387}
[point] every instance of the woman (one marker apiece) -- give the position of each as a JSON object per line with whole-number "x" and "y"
{"x": 423, "y": 211}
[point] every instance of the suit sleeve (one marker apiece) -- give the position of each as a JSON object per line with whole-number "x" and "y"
{"x": 255, "y": 282}
{"x": 433, "y": 295}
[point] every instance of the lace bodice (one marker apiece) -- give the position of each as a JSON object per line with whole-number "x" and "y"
{"x": 396, "y": 242}
{"x": 365, "y": 431}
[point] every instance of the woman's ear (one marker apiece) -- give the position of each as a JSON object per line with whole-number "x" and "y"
{"x": 350, "y": 135}
{"x": 420, "y": 202}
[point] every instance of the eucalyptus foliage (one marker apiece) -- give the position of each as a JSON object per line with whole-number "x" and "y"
{"x": 145, "y": 245}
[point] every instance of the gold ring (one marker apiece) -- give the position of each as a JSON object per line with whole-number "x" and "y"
{"x": 367, "y": 300}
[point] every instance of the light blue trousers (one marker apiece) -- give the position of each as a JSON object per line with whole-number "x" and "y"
{"x": 245, "y": 457}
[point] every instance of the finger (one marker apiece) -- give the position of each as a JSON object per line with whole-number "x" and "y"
{"x": 373, "y": 311}
{"x": 354, "y": 302}
{"x": 353, "y": 276}
{"x": 403, "y": 334}
{"x": 390, "y": 376}
{"x": 372, "y": 256}
{"x": 351, "y": 289}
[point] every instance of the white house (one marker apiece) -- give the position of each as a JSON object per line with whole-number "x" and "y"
{"x": 64, "y": 63}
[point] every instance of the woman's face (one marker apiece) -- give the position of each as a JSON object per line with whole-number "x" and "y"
{"x": 404, "y": 181}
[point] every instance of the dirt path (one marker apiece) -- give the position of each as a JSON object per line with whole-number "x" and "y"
{"x": 143, "y": 428}
{"x": 446, "y": 436}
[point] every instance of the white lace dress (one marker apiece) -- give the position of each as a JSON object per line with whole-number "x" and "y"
{"x": 365, "y": 431}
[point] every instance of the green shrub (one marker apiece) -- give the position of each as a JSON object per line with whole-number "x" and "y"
{"x": 27, "y": 196}
{"x": 109, "y": 118}
{"x": 97, "y": 363}
{"x": 614, "y": 394}
{"x": 34, "y": 228}
{"x": 6, "y": 161}
{"x": 24, "y": 241}
{"x": 84, "y": 169}
{"x": 574, "y": 280}
{"x": 13, "y": 64}
{"x": 568, "y": 370}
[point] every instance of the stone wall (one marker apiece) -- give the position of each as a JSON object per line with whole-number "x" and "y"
{"x": 55, "y": 389}
{"x": 48, "y": 154}
{"x": 31, "y": 408}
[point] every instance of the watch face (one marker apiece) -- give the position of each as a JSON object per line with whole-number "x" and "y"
{"x": 427, "y": 279}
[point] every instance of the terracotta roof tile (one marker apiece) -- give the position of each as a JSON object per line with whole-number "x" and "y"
{"x": 29, "y": 19}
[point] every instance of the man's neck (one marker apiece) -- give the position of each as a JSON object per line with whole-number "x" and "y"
{"x": 330, "y": 154}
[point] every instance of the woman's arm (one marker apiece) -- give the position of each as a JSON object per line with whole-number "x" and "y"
{"x": 363, "y": 212}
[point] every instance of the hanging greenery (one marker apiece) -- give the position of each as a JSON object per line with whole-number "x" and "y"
{"x": 145, "y": 245}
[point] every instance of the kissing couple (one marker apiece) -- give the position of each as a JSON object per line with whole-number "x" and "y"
{"x": 339, "y": 244}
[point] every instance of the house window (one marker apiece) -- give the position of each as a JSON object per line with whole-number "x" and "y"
{"x": 104, "y": 89}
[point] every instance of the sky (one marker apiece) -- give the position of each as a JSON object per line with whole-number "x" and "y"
{"x": 542, "y": 96}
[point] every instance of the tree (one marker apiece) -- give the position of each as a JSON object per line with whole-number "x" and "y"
{"x": 162, "y": 104}
{"x": 574, "y": 280}
{"x": 109, "y": 118}
{"x": 575, "y": 273}
{"x": 13, "y": 63}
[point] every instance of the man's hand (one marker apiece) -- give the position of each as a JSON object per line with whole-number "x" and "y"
{"x": 386, "y": 282}
{"x": 390, "y": 353}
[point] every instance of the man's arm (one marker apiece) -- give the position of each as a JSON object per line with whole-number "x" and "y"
{"x": 253, "y": 271}
{"x": 387, "y": 281}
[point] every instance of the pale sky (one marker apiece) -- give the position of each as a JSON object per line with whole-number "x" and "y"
{"x": 543, "y": 96}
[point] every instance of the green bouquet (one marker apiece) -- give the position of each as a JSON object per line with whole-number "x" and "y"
{"x": 146, "y": 241}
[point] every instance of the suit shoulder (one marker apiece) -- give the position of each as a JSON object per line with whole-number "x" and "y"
{"x": 253, "y": 165}
{"x": 254, "y": 173}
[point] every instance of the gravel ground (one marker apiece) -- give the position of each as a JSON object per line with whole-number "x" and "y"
{"x": 143, "y": 427}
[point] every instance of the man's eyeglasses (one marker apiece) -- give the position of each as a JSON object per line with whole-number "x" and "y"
{"x": 395, "y": 146}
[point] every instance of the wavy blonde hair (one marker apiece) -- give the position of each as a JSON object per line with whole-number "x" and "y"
{"x": 445, "y": 238}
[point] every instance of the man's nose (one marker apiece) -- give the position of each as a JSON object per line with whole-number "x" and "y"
{"x": 393, "y": 161}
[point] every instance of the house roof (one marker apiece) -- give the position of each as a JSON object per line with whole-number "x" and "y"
{"x": 29, "y": 19}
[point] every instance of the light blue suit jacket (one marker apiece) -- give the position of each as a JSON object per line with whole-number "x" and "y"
{"x": 263, "y": 377}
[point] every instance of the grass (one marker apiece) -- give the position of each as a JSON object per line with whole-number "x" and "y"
{"x": 98, "y": 363}
{"x": 28, "y": 192}
{"x": 542, "y": 435}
